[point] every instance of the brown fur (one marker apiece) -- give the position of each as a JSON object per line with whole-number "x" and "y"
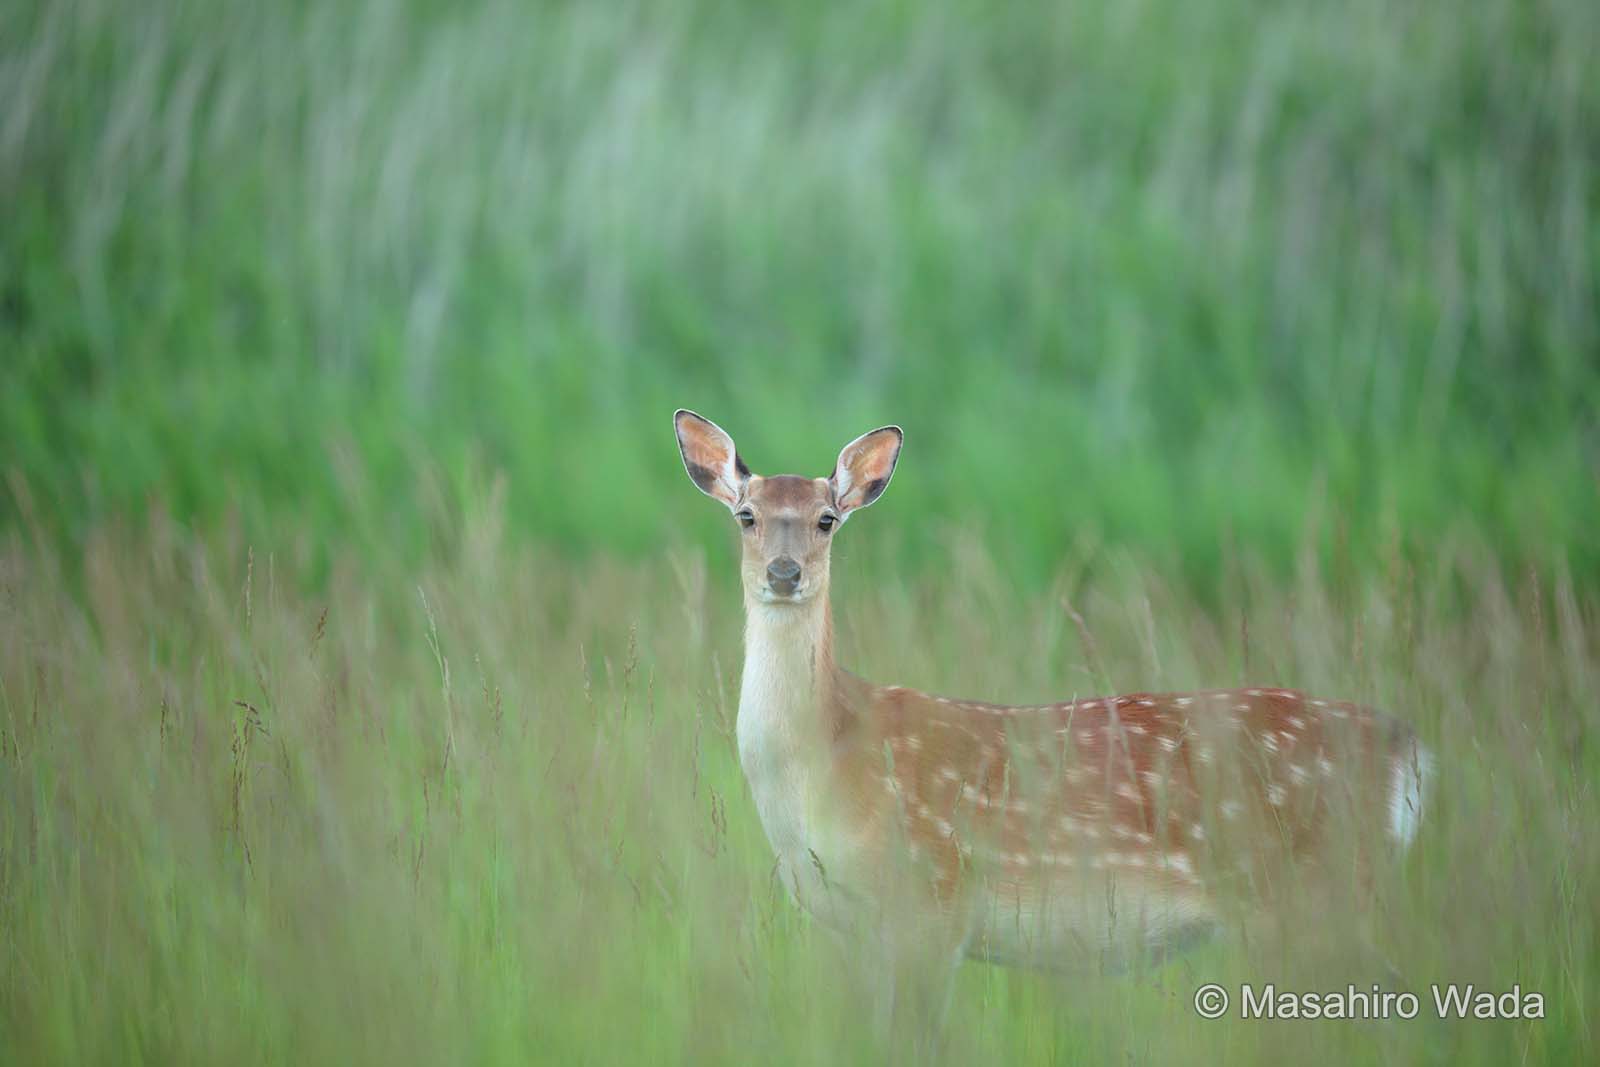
{"x": 1133, "y": 775}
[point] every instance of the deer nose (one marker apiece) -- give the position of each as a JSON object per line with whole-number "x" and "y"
{"x": 783, "y": 575}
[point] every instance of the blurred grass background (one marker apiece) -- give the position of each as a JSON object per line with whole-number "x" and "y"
{"x": 489, "y": 809}
{"x": 1266, "y": 335}
{"x": 1173, "y": 274}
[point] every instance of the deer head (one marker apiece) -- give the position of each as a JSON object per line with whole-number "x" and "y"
{"x": 786, "y": 521}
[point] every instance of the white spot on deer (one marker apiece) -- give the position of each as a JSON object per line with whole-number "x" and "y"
{"x": 1184, "y": 702}
{"x": 1408, "y": 787}
{"x": 1298, "y": 774}
{"x": 1085, "y": 737}
{"x": 1205, "y": 754}
{"x": 1197, "y": 832}
{"x": 1296, "y": 722}
{"x": 1231, "y": 809}
{"x": 1168, "y": 744}
{"x": 1276, "y": 795}
{"x": 1318, "y": 703}
{"x": 1136, "y": 729}
{"x": 1150, "y": 778}
{"x": 913, "y": 743}
{"x": 1325, "y": 765}
{"x": 1128, "y": 791}
{"x": 1179, "y": 862}
{"x": 1252, "y": 692}
{"x": 1269, "y": 742}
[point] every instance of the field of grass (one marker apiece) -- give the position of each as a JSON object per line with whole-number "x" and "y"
{"x": 490, "y": 811}
{"x": 1194, "y": 271}
{"x": 368, "y": 666}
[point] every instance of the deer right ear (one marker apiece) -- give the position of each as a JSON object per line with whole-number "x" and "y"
{"x": 864, "y": 468}
{"x": 710, "y": 458}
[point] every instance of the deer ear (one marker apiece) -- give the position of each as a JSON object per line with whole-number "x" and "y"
{"x": 710, "y": 458}
{"x": 864, "y": 468}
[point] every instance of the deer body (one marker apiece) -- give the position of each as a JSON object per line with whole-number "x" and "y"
{"x": 1049, "y": 834}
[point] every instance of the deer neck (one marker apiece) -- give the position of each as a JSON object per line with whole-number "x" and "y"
{"x": 788, "y": 711}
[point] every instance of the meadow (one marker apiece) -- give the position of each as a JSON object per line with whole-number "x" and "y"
{"x": 1194, "y": 271}
{"x": 368, "y": 666}
{"x": 491, "y": 811}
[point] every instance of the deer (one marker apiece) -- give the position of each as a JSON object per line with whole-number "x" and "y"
{"x": 1090, "y": 829}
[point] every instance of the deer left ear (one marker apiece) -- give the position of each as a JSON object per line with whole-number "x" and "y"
{"x": 864, "y": 468}
{"x": 710, "y": 458}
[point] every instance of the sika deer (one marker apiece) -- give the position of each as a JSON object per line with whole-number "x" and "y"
{"x": 1041, "y": 834}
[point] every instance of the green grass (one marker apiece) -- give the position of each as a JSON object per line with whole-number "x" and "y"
{"x": 1168, "y": 274}
{"x": 368, "y": 666}
{"x": 490, "y": 811}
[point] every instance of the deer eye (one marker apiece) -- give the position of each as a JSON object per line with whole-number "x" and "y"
{"x": 826, "y": 523}
{"x": 746, "y": 518}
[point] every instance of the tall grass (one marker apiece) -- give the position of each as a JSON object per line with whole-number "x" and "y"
{"x": 490, "y": 811}
{"x": 1170, "y": 273}
{"x": 367, "y": 667}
